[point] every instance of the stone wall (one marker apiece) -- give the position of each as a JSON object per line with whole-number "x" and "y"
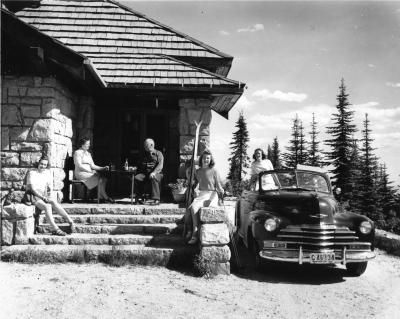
{"x": 214, "y": 240}
{"x": 17, "y": 224}
{"x": 39, "y": 115}
{"x": 193, "y": 110}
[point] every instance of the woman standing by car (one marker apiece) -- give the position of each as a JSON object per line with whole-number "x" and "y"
{"x": 39, "y": 183}
{"x": 260, "y": 164}
{"x": 208, "y": 181}
{"x": 88, "y": 172}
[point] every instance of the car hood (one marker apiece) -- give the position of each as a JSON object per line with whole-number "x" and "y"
{"x": 300, "y": 207}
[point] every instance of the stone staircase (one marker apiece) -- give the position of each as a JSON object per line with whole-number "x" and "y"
{"x": 105, "y": 232}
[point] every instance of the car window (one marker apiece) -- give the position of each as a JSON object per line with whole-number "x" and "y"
{"x": 292, "y": 180}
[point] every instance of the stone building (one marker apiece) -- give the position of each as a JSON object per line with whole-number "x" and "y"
{"x": 102, "y": 70}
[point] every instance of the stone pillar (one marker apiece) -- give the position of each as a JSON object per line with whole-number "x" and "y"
{"x": 37, "y": 117}
{"x": 214, "y": 240}
{"x": 193, "y": 110}
{"x": 17, "y": 224}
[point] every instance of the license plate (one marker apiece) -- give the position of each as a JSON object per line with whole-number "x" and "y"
{"x": 322, "y": 258}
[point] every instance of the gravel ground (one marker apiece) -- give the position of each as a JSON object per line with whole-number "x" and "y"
{"x": 98, "y": 291}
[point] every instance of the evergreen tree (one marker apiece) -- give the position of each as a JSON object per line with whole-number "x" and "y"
{"x": 291, "y": 157}
{"x": 276, "y": 154}
{"x": 314, "y": 155}
{"x": 269, "y": 153}
{"x": 303, "y": 155}
{"x": 239, "y": 161}
{"x": 355, "y": 174}
{"x": 386, "y": 192}
{"x": 341, "y": 143}
{"x": 366, "y": 197}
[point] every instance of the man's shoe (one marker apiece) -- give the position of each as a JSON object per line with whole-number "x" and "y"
{"x": 153, "y": 202}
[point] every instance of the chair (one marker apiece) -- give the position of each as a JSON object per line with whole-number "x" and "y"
{"x": 73, "y": 183}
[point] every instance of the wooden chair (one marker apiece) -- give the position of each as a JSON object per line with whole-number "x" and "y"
{"x": 73, "y": 183}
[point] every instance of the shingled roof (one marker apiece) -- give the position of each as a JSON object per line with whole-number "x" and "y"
{"x": 126, "y": 47}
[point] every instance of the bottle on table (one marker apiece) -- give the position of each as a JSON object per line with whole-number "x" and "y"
{"x": 126, "y": 165}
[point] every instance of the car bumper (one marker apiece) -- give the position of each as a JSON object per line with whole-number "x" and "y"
{"x": 300, "y": 256}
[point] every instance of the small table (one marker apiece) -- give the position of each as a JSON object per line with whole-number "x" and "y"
{"x": 131, "y": 174}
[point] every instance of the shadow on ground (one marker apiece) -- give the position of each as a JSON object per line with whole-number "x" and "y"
{"x": 285, "y": 272}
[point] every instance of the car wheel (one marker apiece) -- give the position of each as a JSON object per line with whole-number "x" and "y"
{"x": 356, "y": 269}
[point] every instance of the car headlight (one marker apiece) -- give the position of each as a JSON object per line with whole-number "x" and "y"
{"x": 270, "y": 224}
{"x": 365, "y": 227}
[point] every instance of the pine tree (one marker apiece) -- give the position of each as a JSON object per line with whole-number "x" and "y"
{"x": 386, "y": 192}
{"x": 239, "y": 161}
{"x": 367, "y": 199}
{"x": 303, "y": 155}
{"x": 355, "y": 174}
{"x": 269, "y": 153}
{"x": 291, "y": 157}
{"x": 314, "y": 154}
{"x": 276, "y": 154}
{"x": 341, "y": 143}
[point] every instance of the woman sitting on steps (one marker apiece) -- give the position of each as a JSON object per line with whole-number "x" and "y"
{"x": 39, "y": 184}
{"x": 209, "y": 184}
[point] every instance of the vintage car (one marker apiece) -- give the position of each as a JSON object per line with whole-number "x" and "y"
{"x": 294, "y": 217}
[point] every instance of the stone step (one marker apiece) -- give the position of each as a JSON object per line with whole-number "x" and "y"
{"x": 117, "y": 219}
{"x": 114, "y": 229}
{"x": 107, "y": 239}
{"x": 134, "y": 254}
{"x": 121, "y": 209}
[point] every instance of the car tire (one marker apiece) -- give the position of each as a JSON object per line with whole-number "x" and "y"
{"x": 356, "y": 269}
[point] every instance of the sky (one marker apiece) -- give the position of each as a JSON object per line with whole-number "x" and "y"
{"x": 292, "y": 57}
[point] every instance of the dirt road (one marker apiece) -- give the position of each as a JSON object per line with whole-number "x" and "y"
{"x": 98, "y": 291}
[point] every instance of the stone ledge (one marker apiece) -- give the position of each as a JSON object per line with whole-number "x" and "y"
{"x": 214, "y": 234}
{"x": 387, "y": 241}
{"x": 212, "y": 215}
{"x": 221, "y": 254}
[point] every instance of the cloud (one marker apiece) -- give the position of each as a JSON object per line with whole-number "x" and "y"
{"x": 281, "y": 96}
{"x": 371, "y": 65}
{"x": 223, "y": 32}
{"x": 393, "y": 85}
{"x": 244, "y": 103}
{"x": 254, "y": 28}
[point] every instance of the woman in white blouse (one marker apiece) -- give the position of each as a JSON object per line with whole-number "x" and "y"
{"x": 87, "y": 171}
{"x": 39, "y": 185}
{"x": 260, "y": 164}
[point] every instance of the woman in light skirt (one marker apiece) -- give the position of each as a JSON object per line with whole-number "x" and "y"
{"x": 208, "y": 181}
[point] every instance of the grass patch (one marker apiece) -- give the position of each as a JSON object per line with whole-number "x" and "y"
{"x": 33, "y": 256}
{"x": 203, "y": 267}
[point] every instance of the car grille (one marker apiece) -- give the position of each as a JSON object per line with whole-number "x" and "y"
{"x": 318, "y": 236}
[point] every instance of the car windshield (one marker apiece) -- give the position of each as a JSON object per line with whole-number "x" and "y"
{"x": 312, "y": 181}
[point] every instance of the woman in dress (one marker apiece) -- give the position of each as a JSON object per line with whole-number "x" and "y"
{"x": 88, "y": 172}
{"x": 208, "y": 181}
{"x": 260, "y": 164}
{"x": 39, "y": 184}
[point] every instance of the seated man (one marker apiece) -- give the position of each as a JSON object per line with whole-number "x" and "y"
{"x": 150, "y": 172}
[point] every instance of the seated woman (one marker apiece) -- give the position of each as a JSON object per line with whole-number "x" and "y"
{"x": 260, "y": 164}
{"x": 39, "y": 184}
{"x": 209, "y": 185}
{"x": 87, "y": 171}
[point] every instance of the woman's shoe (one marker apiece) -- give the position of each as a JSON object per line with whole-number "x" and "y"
{"x": 194, "y": 239}
{"x": 189, "y": 235}
{"x": 72, "y": 228}
{"x": 58, "y": 232}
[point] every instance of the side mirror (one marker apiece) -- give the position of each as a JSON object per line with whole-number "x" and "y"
{"x": 338, "y": 191}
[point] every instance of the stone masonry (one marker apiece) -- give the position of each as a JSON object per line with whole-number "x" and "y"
{"x": 39, "y": 115}
{"x": 17, "y": 224}
{"x": 214, "y": 240}
{"x": 193, "y": 110}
